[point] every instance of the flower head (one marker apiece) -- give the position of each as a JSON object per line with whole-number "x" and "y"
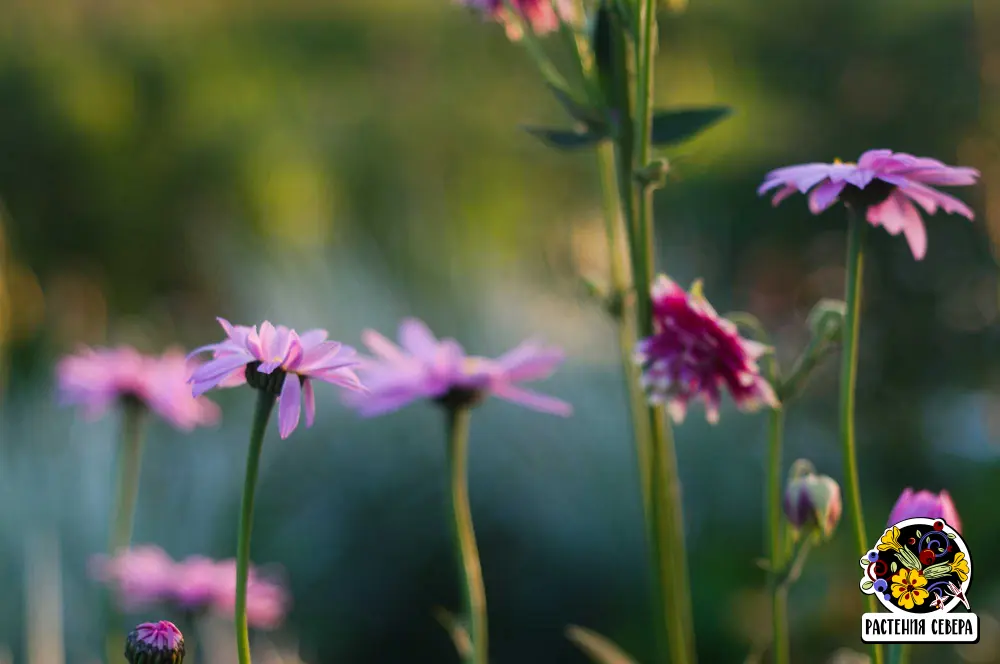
{"x": 885, "y": 183}
{"x": 908, "y": 588}
{"x": 959, "y": 565}
{"x": 423, "y": 367}
{"x": 543, "y": 16}
{"x": 146, "y": 576}
{"x": 812, "y": 500}
{"x": 924, "y": 504}
{"x": 264, "y": 359}
{"x": 889, "y": 540}
{"x": 96, "y": 379}
{"x": 155, "y": 643}
{"x": 695, "y": 353}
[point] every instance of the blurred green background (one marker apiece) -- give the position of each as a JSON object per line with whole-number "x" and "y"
{"x": 346, "y": 163}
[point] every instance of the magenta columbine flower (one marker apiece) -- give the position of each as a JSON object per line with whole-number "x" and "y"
{"x": 145, "y": 576}
{"x": 885, "y": 184}
{"x": 96, "y": 379}
{"x": 426, "y": 368}
{"x": 544, "y": 16}
{"x": 264, "y": 359}
{"x": 155, "y": 643}
{"x": 924, "y": 504}
{"x": 695, "y": 353}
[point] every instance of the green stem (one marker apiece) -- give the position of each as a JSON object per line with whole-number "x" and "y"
{"x": 123, "y": 511}
{"x": 470, "y": 570}
{"x": 262, "y": 413}
{"x": 848, "y": 383}
{"x": 776, "y": 541}
{"x": 899, "y": 653}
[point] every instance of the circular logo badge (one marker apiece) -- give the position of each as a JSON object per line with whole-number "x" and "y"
{"x": 918, "y": 566}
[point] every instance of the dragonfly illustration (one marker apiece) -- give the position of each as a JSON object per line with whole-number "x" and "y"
{"x": 955, "y": 591}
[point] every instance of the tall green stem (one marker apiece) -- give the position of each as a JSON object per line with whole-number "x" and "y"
{"x": 848, "y": 383}
{"x": 262, "y": 413}
{"x": 126, "y": 497}
{"x": 466, "y": 553}
{"x": 899, "y": 653}
{"x": 776, "y": 540}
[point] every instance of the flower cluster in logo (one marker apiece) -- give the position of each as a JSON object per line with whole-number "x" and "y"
{"x": 918, "y": 566}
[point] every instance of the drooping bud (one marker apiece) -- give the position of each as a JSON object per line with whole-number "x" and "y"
{"x": 155, "y": 643}
{"x": 826, "y": 320}
{"x": 812, "y": 501}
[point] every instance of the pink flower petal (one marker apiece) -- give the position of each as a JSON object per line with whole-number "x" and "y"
{"x": 289, "y": 406}
{"x": 531, "y": 399}
{"x": 897, "y": 214}
{"x": 417, "y": 339}
{"x": 825, "y": 195}
{"x": 310, "y": 400}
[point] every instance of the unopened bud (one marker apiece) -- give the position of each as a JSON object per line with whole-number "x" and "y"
{"x": 812, "y": 500}
{"x": 653, "y": 174}
{"x": 826, "y": 320}
{"x": 155, "y": 643}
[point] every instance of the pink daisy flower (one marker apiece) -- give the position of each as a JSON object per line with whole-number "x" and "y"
{"x": 925, "y": 504}
{"x": 145, "y": 576}
{"x": 264, "y": 359}
{"x": 544, "y": 16}
{"x": 884, "y": 182}
{"x": 97, "y": 379}
{"x": 422, "y": 367}
{"x": 695, "y": 353}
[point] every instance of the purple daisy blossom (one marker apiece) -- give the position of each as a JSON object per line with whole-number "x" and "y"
{"x": 695, "y": 353}
{"x": 887, "y": 183}
{"x": 428, "y": 368}
{"x": 247, "y": 354}
{"x": 544, "y": 16}
{"x": 927, "y": 505}
{"x": 96, "y": 379}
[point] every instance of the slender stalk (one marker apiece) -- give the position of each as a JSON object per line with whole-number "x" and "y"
{"x": 899, "y": 653}
{"x": 848, "y": 384}
{"x": 123, "y": 509}
{"x": 466, "y": 553}
{"x": 776, "y": 540}
{"x": 262, "y": 413}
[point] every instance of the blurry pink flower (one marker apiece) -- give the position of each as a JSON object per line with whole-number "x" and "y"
{"x": 141, "y": 576}
{"x": 426, "y": 368}
{"x": 544, "y": 16}
{"x": 263, "y": 360}
{"x": 887, "y": 184}
{"x": 696, "y": 353}
{"x": 145, "y": 576}
{"x": 96, "y": 379}
{"x": 924, "y": 504}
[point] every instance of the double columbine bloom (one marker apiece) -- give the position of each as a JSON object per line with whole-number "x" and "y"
{"x": 278, "y": 360}
{"x": 924, "y": 504}
{"x": 100, "y": 378}
{"x": 423, "y": 367}
{"x": 883, "y": 185}
{"x": 696, "y": 354}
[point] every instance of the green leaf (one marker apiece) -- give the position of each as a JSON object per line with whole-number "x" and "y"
{"x": 867, "y": 585}
{"x": 565, "y": 139}
{"x": 951, "y": 535}
{"x": 579, "y": 111}
{"x": 598, "y": 648}
{"x": 677, "y": 126}
{"x": 893, "y": 566}
{"x": 941, "y": 550}
{"x": 918, "y": 533}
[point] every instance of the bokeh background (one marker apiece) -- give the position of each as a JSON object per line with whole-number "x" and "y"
{"x": 343, "y": 164}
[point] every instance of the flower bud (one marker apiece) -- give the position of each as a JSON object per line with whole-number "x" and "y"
{"x": 826, "y": 320}
{"x": 812, "y": 500}
{"x": 155, "y": 643}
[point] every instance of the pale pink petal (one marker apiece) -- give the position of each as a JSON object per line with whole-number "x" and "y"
{"x": 897, "y": 214}
{"x": 530, "y": 361}
{"x": 380, "y": 346}
{"x": 289, "y": 406}
{"x": 417, "y": 338}
{"x": 310, "y": 401}
{"x": 311, "y": 338}
{"x": 785, "y": 192}
{"x": 531, "y": 399}
{"x": 929, "y": 199}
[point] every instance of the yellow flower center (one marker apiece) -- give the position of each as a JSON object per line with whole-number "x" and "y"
{"x": 838, "y": 162}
